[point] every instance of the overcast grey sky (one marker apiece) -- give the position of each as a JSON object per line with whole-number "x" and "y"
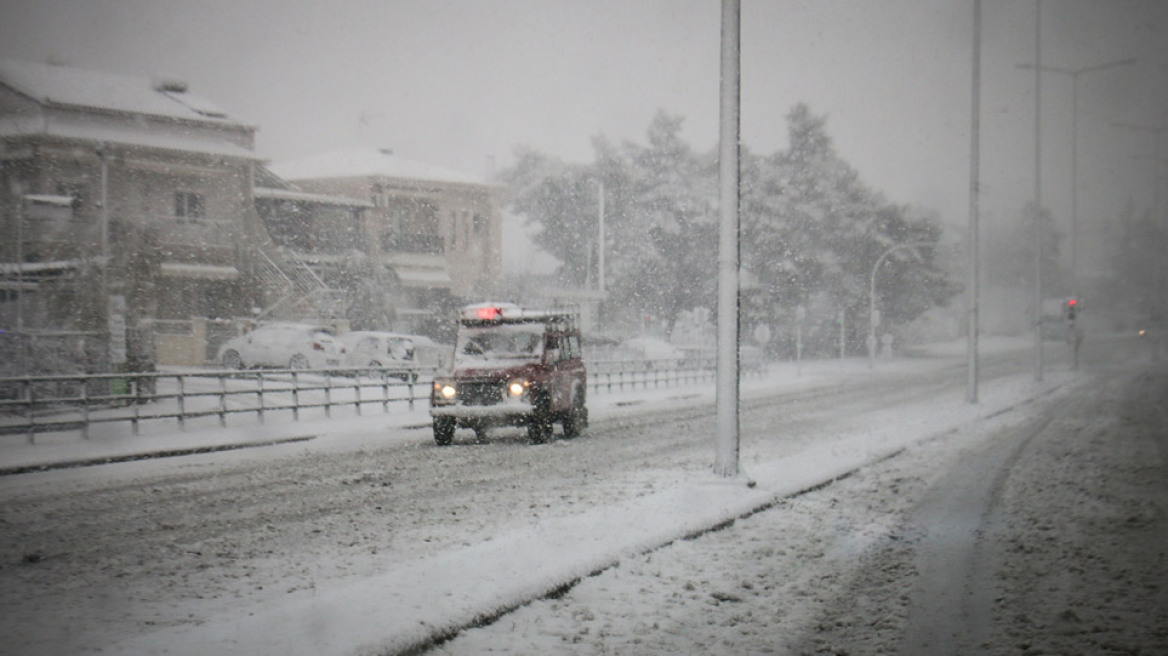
{"x": 455, "y": 82}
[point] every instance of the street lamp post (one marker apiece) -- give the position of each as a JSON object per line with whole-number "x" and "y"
{"x": 972, "y": 289}
{"x": 726, "y": 458}
{"x": 873, "y": 313}
{"x": 20, "y": 265}
{"x": 1074, "y": 74}
{"x": 1158, "y": 221}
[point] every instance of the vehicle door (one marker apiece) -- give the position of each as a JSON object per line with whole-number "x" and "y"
{"x": 557, "y": 355}
{"x": 259, "y": 345}
{"x": 573, "y": 364}
{"x": 366, "y": 350}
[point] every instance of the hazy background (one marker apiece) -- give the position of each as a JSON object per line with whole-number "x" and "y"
{"x": 460, "y": 83}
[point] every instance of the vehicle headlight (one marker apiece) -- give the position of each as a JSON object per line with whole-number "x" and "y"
{"x": 517, "y": 387}
{"x": 446, "y": 390}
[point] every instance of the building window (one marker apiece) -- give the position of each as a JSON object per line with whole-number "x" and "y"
{"x": 188, "y": 205}
{"x": 77, "y": 191}
{"x": 481, "y": 224}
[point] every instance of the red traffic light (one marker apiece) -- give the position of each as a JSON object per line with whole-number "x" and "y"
{"x": 1072, "y": 303}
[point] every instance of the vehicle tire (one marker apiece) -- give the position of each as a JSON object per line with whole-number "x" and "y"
{"x": 539, "y": 426}
{"x": 298, "y": 361}
{"x": 231, "y": 360}
{"x": 576, "y": 419}
{"x": 480, "y": 435}
{"x": 443, "y": 430}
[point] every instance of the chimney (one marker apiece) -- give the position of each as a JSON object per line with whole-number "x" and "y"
{"x": 169, "y": 84}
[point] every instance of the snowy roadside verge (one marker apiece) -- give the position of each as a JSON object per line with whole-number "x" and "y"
{"x": 113, "y": 442}
{"x": 430, "y": 599}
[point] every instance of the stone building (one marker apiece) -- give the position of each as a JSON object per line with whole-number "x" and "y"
{"x": 141, "y": 228}
{"x": 433, "y": 236}
{"x": 158, "y": 186}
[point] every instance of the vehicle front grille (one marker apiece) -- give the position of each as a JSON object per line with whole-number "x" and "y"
{"x": 489, "y": 393}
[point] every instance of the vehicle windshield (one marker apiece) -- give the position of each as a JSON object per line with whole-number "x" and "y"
{"x": 481, "y": 344}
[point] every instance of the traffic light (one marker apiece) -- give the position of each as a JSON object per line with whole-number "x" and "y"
{"x": 1072, "y": 305}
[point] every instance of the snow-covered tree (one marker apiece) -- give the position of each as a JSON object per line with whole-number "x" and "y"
{"x": 561, "y": 200}
{"x": 659, "y": 219}
{"x": 811, "y": 229}
{"x": 673, "y": 212}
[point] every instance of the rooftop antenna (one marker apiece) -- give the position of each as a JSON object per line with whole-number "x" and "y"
{"x": 363, "y": 121}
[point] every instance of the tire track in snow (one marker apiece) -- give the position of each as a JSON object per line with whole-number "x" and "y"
{"x": 951, "y": 607}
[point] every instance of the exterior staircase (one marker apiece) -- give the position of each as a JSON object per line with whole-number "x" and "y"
{"x": 300, "y": 293}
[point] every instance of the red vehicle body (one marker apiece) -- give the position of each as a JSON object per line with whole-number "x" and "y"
{"x": 512, "y": 367}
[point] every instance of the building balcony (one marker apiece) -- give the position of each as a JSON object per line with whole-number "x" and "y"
{"x": 198, "y": 232}
{"x": 429, "y": 244}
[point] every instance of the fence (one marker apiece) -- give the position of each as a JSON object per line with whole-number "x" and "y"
{"x": 41, "y": 404}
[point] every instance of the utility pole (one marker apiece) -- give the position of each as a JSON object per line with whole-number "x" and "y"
{"x": 974, "y": 190}
{"x": 18, "y": 194}
{"x": 600, "y": 236}
{"x": 1074, "y": 74}
{"x": 1038, "y": 191}
{"x": 726, "y": 457}
{"x": 1161, "y": 316}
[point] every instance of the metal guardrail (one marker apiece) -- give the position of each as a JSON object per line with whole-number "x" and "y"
{"x": 42, "y": 404}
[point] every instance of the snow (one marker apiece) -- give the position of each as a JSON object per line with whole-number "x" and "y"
{"x": 65, "y": 85}
{"x": 287, "y": 194}
{"x": 361, "y": 162}
{"x": 407, "y": 607}
{"x": 439, "y": 593}
{"x": 134, "y": 135}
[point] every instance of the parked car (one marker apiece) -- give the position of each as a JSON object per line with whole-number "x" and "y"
{"x": 283, "y": 345}
{"x": 655, "y": 353}
{"x": 379, "y": 349}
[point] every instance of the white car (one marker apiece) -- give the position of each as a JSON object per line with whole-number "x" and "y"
{"x": 378, "y": 349}
{"x": 283, "y": 345}
{"x": 656, "y": 353}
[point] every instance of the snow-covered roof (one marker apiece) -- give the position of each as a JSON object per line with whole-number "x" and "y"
{"x": 67, "y": 86}
{"x": 204, "y": 271}
{"x": 367, "y": 162}
{"x": 321, "y": 199}
{"x": 122, "y": 134}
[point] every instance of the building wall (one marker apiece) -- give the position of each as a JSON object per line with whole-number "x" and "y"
{"x": 211, "y": 234}
{"x": 467, "y": 218}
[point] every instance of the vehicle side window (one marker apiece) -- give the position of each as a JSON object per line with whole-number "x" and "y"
{"x": 552, "y": 347}
{"x": 574, "y": 347}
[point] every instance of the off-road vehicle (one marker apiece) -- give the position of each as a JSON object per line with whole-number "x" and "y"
{"x": 512, "y": 367}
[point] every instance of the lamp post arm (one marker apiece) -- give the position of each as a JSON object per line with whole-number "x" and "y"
{"x": 872, "y": 294}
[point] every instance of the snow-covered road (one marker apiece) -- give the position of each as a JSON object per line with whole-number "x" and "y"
{"x": 313, "y": 547}
{"x": 1041, "y": 531}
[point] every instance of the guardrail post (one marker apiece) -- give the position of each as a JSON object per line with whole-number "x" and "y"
{"x": 182, "y": 419}
{"x": 29, "y": 393}
{"x": 136, "y": 391}
{"x": 357, "y": 392}
{"x": 295, "y": 397}
{"x": 260, "y": 395}
{"x": 385, "y": 394}
{"x": 84, "y": 409}
{"x": 328, "y": 396}
{"x": 223, "y": 402}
